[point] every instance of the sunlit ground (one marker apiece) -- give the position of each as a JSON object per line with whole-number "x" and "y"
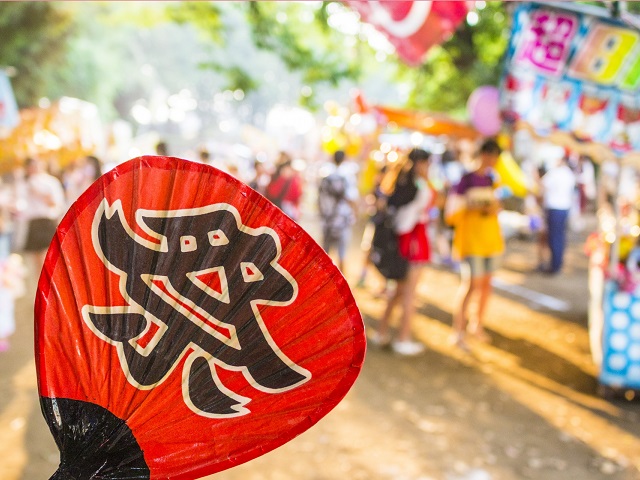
{"x": 524, "y": 406}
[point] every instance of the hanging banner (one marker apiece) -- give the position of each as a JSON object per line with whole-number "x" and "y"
{"x": 8, "y": 107}
{"x": 412, "y": 27}
{"x": 574, "y": 70}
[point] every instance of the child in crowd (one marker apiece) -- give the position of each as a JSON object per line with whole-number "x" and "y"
{"x": 472, "y": 209}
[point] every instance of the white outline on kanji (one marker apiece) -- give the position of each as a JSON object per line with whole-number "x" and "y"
{"x": 132, "y": 307}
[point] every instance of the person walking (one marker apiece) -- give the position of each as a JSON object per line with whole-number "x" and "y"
{"x": 45, "y": 205}
{"x": 558, "y": 189}
{"x": 285, "y": 187}
{"x": 472, "y": 209}
{"x": 375, "y": 204}
{"x": 11, "y": 268}
{"x": 261, "y": 177}
{"x": 8, "y": 210}
{"x": 162, "y": 148}
{"x": 411, "y": 200}
{"x": 337, "y": 203}
{"x": 79, "y": 175}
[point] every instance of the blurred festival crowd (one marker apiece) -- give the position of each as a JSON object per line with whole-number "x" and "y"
{"x": 446, "y": 207}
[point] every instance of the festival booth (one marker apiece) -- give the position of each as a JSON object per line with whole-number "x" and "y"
{"x": 572, "y": 77}
{"x": 59, "y": 133}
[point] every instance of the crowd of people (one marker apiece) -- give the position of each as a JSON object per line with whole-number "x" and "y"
{"x": 459, "y": 219}
{"x": 401, "y": 244}
{"x": 32, "y": 203}
{"x": 35, "y": 195}
{"x": 412, "y": 214}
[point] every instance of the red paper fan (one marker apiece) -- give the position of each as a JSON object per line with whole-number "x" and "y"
{"x": 185, "y": 325}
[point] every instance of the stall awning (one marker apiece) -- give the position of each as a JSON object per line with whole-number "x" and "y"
{"x": 427, "y": 123}
{"x": 60, "y": 133}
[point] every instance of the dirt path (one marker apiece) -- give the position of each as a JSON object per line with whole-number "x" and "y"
{"x": 523, "y": 407}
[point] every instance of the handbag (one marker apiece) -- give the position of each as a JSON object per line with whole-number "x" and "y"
{"x": 40, "y": 233}
{"x": 385, "y": 253}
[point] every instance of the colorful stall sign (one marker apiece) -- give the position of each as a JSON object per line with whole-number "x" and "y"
{"x": 184, "y": 325}
{"x": 574, "y": 70}
{"x": 412, "y": 26}
{"x": 621, "y": 338}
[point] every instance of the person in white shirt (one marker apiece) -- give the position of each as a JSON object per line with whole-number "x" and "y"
{"x": 558, "y": 187}
{"x": 45, "y": 206}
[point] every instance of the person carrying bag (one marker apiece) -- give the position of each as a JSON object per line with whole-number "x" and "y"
{"x": 405, "y": 228}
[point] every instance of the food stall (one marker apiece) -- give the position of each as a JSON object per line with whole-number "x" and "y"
{"x": 572, "y": 76}
{"x": 58, "y": 132}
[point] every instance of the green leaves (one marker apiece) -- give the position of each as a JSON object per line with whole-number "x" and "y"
{"x": 34, "y": 41}
{"x": 469, "y": 59}
{"x": 85, "y": 49}
{"x": 203, "y": 15}
{"x": 303, "y": 40}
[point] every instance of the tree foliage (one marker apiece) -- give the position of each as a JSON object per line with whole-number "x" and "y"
{"x": 470, "y": 58}
{"x": 299, "y": 37}
{"x": 94, "y": 59}
{"x": 95, "y": 51}
{"x": 301, "y": 45}
{"x": 34, "y": 42}
{"x": 203, "y": 15}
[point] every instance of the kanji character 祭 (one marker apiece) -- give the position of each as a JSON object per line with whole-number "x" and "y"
{"x": 190, "y": 281}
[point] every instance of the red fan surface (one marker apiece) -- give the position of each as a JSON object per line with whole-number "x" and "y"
{"x": 185, "y": 325}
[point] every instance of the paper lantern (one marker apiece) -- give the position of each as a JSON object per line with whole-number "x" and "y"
{"x": 185, "y": 325}
{"x": 483, "y": 108}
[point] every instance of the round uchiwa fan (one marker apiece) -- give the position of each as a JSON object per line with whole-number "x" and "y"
{"x": 185, "y": 325}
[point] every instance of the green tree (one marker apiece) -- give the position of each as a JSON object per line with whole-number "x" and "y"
{"x": 470, "y": 58}
{"x": 34, "y": 42}
{"x": 314, "y": 49}
{"x": 95, "y": 61}
{"x": 444, "y": 81}
{"x": 95, "y": 51}
{"x": 295, "y": 32}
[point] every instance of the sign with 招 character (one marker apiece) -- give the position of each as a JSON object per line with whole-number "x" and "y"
{"x": 575, "y": 70}
{"x": 185, "y": 325}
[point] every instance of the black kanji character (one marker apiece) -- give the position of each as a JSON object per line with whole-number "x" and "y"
{"x": 199, "y": 280}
